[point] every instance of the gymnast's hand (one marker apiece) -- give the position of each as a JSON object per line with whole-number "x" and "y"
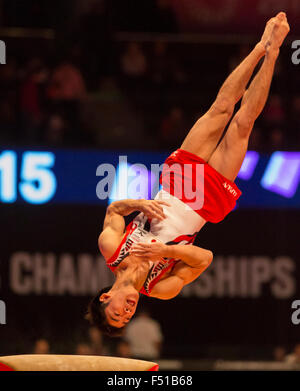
{"x": 153, "y": 208}
{"x": 152, "y": 251}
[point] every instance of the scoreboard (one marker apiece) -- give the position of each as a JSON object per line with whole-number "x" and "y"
{"x": 98, "y": 177}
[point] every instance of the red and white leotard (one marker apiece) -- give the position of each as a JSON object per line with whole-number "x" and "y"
{"x": 172, "y": 230}
{"x": 182, "y": 222}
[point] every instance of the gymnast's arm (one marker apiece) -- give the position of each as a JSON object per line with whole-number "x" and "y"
{"x": 193, "y": 256}
{"x": 114, "y": 223}
{"x": 193, "y": 261}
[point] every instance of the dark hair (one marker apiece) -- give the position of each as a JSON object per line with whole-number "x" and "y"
{"x": 96, "y": 316}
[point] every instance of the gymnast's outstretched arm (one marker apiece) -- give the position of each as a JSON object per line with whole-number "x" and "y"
{"x": 193, "y": 256}
{"x": 193, "y": 261}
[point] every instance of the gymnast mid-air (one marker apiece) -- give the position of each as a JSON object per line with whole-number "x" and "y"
{"x": 154, "y": 255}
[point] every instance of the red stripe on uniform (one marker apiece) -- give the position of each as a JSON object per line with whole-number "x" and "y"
{"x": 5, "y": 368}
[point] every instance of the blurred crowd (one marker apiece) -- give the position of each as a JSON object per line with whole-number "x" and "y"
{"x": 87, "y": 88}
{"x": 281, "y": 354}
{"x": 142, "y": 340}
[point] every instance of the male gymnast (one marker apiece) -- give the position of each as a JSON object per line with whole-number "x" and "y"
{"x": 151, "y": 255}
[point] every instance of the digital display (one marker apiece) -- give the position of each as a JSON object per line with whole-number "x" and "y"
{"x": 35, "y": 183}
{"x": 99, "y": 177}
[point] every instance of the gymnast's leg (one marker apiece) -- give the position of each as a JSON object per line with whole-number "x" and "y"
{"x": 230, "y": 153}
{"x": 207, "y": 131}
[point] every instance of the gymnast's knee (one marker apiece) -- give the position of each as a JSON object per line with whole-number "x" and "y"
{"x": 244, "y": 125}
{"x": 223, "y": 106}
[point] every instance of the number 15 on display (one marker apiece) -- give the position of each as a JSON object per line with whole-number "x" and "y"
{"x": 37, "y": 183}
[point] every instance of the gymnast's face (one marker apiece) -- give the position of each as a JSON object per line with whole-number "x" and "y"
{"x": 120, "y": 307}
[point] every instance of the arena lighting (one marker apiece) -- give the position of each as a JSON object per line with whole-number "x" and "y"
{"x": 124, "y": 186}
{"x": 119, "y": 190}
{"x": 249, "y": 165}
{"x": 282, "y": 175}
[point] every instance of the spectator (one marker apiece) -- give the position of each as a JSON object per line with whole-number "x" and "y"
{"x": 123, "y": 349}
{"x": 83, "y": 349}
{"x": 255, "y": 141}
{"x": 294, "y": 123}
{"x": 173, "y": 128}
{"x": 276, "y": 142}
{"x": 133, "y": 61}
{"x": 144, "y": 337}
{"x": 8, "y": 124}
{"x": 31, "y": 94}
{"x": 66, "y": 83}
{"x": 56, "y": 130}
{"x": 9, "y": 101}
{"x": 109, "y": 118}
{"x": 96, "y": 342}
{"x": 41, "y": 346}
{"x": 279, "y": 354}
{"x": 65, "y": 92}
{"x": 160, "y": 63}
{"x": 165, "y": 68}
{"x": 294, "y": 358}
{"x": 295, "y": 109}
{"x": 8, "y": 79}
{"x": 274, "y": 114}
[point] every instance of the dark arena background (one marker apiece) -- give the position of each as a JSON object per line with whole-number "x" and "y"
{"x": 85, "y": 82}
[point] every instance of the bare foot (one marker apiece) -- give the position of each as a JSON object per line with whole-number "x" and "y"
{"x": 266, "y": 37}
{"x": 280, "y": 31}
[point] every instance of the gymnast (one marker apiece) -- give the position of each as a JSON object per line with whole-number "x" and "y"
{"x": 154, "y": 255}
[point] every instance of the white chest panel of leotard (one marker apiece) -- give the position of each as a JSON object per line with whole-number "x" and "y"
{"x": 180, "y": 220}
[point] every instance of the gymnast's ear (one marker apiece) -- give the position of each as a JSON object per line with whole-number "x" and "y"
{"x": 104, "y": 296}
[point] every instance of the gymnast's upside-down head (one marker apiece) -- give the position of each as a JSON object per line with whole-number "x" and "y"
{"x": 112, "y": 309}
